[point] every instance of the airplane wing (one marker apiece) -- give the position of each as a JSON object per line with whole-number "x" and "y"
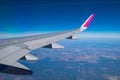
{"x": 14, "y": 49}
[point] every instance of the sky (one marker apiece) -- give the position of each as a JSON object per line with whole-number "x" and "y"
{"x": 43, "y": 16}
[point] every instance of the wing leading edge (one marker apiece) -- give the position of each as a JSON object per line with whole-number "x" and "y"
{"x": 14, "y": 49}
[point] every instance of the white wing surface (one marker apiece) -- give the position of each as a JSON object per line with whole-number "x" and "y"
{"x": 14, "y": 49}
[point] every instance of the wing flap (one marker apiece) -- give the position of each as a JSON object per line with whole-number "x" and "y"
{"x": 53, "y": 45}
{"x": 29, "y": 57}
{"x": 8, "y": 50}
{"x": 9, "y": 60}
{"x": 74, "y": 37}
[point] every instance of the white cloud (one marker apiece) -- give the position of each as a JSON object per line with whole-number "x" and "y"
{"x": 113, "y": 78}
{"x": 100, "y": 35}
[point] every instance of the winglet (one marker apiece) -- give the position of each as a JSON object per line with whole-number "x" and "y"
{"x": 87, "y": 22}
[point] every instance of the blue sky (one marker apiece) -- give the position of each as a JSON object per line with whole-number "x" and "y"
{"x": 37, "y": 16}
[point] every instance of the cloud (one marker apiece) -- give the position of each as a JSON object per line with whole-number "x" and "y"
{"x": 113, "y": 78}
{"x": 100, "y": 35}
{"x": 2, "y": 78}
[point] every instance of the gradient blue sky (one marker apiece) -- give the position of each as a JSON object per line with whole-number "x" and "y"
{"x": 22, "y": 16}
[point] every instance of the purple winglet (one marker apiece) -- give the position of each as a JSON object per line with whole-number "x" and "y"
{"x": 87, "y": 22}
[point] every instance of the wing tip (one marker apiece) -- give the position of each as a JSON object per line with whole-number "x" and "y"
{"x": 88, "y": 21}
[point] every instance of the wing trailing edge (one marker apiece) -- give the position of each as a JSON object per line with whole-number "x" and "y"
{"x": 16, "y": 69}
